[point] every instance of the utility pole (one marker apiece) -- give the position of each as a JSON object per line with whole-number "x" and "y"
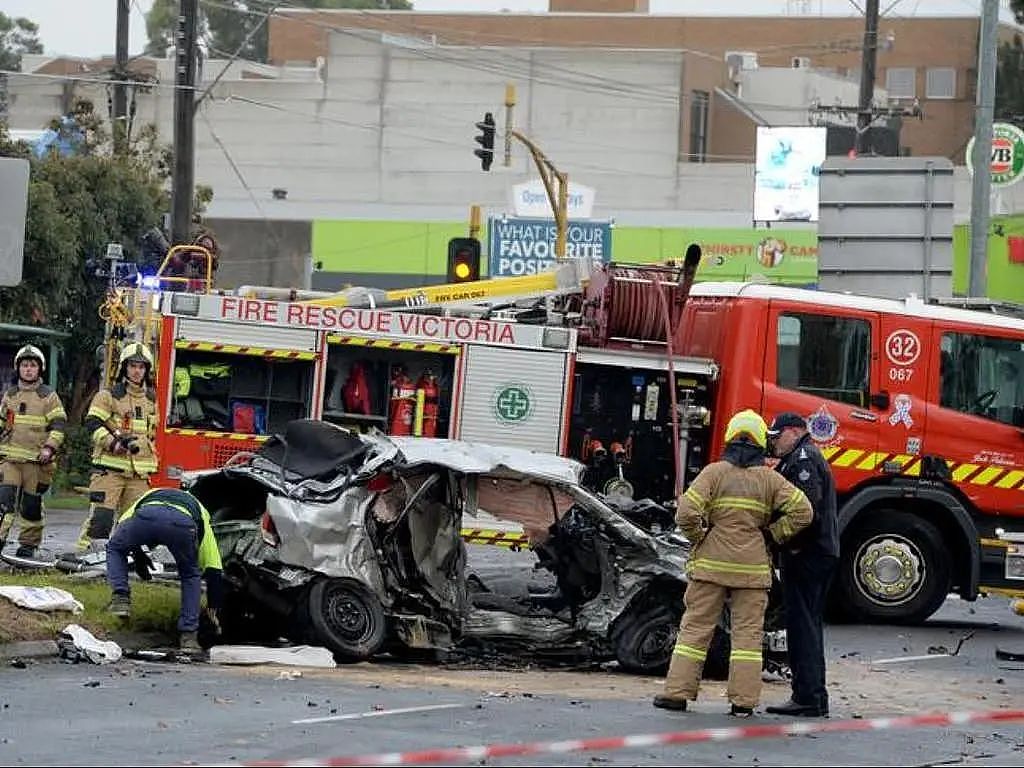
{"x": 549, "y": 174}
{"x": 869, "y": 58}
{"x": 981, "y": 183}
{"x": 120, "y": 121}
{"x": 185, "y": 66}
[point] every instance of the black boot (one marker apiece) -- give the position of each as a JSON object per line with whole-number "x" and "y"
{"x": 27, "y": 551}
{"x": 665, "y": 702}
{"x": 795, "y": 709}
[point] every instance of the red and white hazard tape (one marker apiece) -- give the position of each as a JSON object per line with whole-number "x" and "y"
{"x": 468, "y": 754}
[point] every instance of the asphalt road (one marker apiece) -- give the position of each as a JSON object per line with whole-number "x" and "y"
{"x": 146, "y": 713}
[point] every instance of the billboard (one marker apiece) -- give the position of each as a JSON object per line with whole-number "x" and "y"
{"x": 519, "y": 246}
{"x": 786, "y": 172}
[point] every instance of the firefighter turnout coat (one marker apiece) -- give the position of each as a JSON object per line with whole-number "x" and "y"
{"x": 723, "y": 514}
{"x": 127, "y": 410}
{"x": 33, "y": 417}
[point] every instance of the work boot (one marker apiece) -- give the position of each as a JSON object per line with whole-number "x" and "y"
{"x": 796, "y": 709}
{"x": 189, "y": 642}
{"x": 666, "y": 702}
{"x": 737, "y": 711}
{"x": 120, "y": 605}
{"x": 27, "y": 551}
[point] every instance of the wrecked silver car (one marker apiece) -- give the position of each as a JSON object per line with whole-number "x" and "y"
{"x": 354, "y": 542}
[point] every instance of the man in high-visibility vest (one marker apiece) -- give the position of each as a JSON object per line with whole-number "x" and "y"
{"x": 32, "y": 424}
{"x": 725, "y": 513}
{"x": 177, "y": 520}
{"x": 121, "y": 421}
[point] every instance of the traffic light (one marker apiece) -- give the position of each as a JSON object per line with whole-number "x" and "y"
{"x": 486, "y": 140}
{"x": 463, "y": 260}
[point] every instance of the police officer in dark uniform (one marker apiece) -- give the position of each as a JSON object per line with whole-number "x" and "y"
{"x": 808, "y": 563}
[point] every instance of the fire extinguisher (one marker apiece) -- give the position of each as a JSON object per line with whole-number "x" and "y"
{"x": 428, "y": 384}
{"x": 401, "y": 406}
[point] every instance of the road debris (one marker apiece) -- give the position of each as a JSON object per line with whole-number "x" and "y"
{"x": 293, "y": 656}
{"x": 76, "y": 644}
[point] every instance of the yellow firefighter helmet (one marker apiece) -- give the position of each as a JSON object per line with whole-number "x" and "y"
{"x": 135, "y": 352}
{"x": 28, "y": 352}
{"x": 748, "y": 424}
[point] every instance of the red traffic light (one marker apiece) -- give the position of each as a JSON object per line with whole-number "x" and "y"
{"x": 463, "y": 260}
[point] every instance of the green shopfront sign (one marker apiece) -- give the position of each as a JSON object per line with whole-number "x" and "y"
{"x": 513, "y": 403}
{"x": 1006, "y": 157}
{"x": 787, "y": 256}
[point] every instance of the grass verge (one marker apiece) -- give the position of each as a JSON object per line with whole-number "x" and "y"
{"x": 67, "y": 500}
{"x": 154, "y": 609}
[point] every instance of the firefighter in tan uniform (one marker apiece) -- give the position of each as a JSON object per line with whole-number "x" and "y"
{"x": 121, "y": 421}
{"x": 31, "y": 432}
{"x": 725, "y": 513}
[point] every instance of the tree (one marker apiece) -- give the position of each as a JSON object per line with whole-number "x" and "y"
{"x": 1010, "y": 80}
{"x": 78, "y": 204}
{"x": 17, "y": 36}
{"x": 225, "y": 25}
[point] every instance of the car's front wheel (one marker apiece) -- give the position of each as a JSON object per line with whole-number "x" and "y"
{"x": 644, "y": 642}
{"x": 347, "y": 618}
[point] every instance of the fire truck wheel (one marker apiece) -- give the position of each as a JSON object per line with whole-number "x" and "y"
{"x": 894, "y": 568}
{"x": 347, "y": 618}
{"x": 644, "y": 641}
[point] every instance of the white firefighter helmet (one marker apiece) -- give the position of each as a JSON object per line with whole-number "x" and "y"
{"x": 134, "y": 352}
{"x": 29, "y": 352}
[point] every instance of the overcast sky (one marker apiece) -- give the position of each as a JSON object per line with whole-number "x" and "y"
{"x": 86, "y": 27}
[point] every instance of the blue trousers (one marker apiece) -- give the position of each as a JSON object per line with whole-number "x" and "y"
{"x": 151, "y": 526}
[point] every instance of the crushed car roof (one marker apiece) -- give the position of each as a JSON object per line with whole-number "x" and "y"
{"x": 483, "y": 459}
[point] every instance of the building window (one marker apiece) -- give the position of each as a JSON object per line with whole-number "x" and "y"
{"x": 825, "y": 356}
{"x": 901, "y": 82}
{"x": 699, "y": 101}
{"x": 981, "y": 375}
{"x": 940, "y": 83}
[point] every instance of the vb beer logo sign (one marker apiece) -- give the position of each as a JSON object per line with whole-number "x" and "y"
{"x": 1007, "y": 156}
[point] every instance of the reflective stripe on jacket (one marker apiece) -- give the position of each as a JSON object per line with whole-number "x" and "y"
{"x": 725, "y": 513}
{"x": 34, "y": 417}
{"x": 188, "y": 505}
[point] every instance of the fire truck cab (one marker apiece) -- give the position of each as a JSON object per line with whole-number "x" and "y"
{"x": 919, "y": 410}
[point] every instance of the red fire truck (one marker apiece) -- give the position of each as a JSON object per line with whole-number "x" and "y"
{"x": 918, "y": 407}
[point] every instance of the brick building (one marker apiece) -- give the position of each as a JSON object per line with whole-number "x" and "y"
{"x": 931, "y": 60}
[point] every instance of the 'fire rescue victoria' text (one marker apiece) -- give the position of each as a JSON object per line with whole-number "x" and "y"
{"x": 368, "y": 321}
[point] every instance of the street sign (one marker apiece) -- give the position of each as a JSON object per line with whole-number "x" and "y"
{"x": 527, "y": 246}
{"x": 1007, "y": 156}
{"x": 13, "y": 207}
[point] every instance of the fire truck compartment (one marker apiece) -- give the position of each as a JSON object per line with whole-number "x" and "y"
{"x": 366, "y": 384}
{"x": 621, "y": 425}
{"x": 252, "y": 393}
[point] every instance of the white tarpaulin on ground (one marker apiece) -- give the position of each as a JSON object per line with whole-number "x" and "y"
{"x": 295, "y": 656}
{"x": 42, "y": 598}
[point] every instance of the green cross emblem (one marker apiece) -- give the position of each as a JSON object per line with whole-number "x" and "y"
{"x": 512, "y": 403}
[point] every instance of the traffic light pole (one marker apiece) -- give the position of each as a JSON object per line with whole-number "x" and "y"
{"x": 549, "y": 174}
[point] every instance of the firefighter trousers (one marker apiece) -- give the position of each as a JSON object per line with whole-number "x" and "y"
{"x": 704, "y": 603}
{"x": 22, "y": 485}
{"x": 110, "y": 494}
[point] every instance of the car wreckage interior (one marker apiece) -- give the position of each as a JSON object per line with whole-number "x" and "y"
{"x": 354, "y": 542}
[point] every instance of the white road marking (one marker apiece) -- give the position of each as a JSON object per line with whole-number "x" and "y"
{"x": 926, "y": 657}
{"x": 376, "y": 713}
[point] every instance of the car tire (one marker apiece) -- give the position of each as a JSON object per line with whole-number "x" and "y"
{"x": 894, "y": 568}
{"x": 347, "y": 618}
{"x": 644, "y": 642}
